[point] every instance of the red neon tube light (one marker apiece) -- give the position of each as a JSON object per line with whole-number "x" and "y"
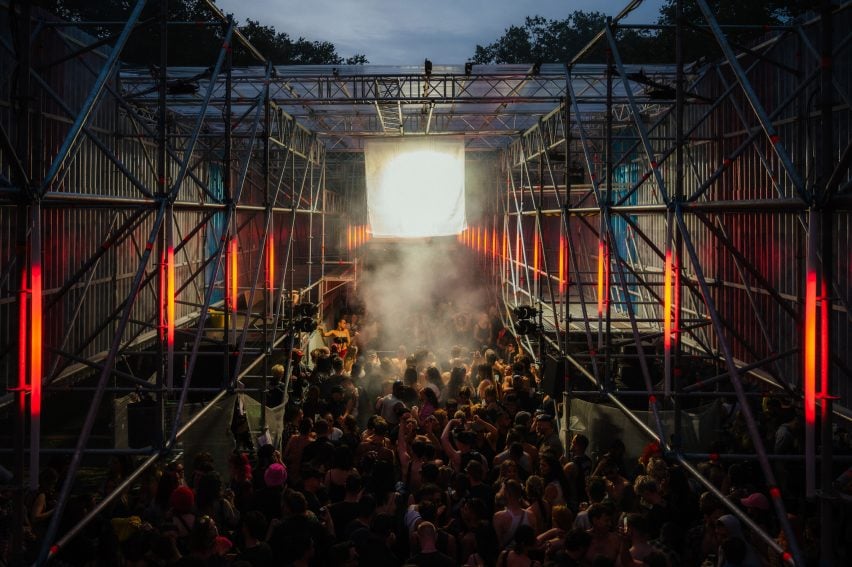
{"x": 494, "y": 242}
{"x": 561, "y": 263}
{"x": 823, "y": 340}
{"x": 810, "y": 347}
{"x": 667, "y": 303}
{"x": 601, "y": 275}
{"x": 170, "y": 296}
{"x": 35, "y": 340}
{"x": 535, "y": 254}
{"x": 232, "y": 259}
{"x": 270, "y": 261}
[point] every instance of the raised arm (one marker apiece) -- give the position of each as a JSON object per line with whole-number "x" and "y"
{"x": 452, "y": 454}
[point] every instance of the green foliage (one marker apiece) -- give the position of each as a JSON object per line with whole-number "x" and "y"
{"x": 557, "y": 41}
{"x": 698, "y": 42}
{"x": 193, "y": 45}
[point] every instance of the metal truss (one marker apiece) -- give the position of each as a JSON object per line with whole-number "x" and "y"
{"x": 141, "y": 217}
{"x": 679, "y": 225}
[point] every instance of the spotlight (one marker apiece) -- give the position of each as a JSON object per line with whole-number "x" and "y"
{"x": 523, "y": 319}
{"x": 525, "y": 327}
{"x": 428, "y": 66}
{"x": 305, "y": 309}
{"x": 524, "y": 312}
{"x": 306, "y": 325}
{"x": 468, "y": 68}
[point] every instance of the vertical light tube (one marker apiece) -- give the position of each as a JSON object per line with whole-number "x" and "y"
{"x": 810, "y": 347}
{"x": 349, "y": 238}
{"x": 667, "y": 304}
{"x": 824, "y": 360}
{"x": 35, "y": 345}
{"x": 535, "y": 254}
{"x": 270, "y": 261}
{"x": 601, "y": 275}
{"x": 170, "y": 296}
{"x": 494, "y": 242}
{"x": 232, "y": 259}
{"x": 562, "y": 282}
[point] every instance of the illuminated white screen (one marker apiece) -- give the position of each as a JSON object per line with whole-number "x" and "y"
{"x": 415, "y": 188}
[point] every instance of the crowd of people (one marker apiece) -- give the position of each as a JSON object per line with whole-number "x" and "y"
{"x": 430, "y": 458}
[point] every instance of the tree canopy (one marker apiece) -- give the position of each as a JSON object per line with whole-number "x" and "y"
{"x": 193, "y": 45}
{"x": 558, "y": 41}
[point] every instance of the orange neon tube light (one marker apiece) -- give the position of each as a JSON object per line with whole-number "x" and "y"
{"x": 601, "y": 275}
{"x": 161, "y": 274}
{"x": 170, "y": 296}
{"x": 232, "y": 259}
{"x": 35, "y": 340}
{"x": 494, "y": 242}
{"x": 270, "y": 261}
{"x": 535, "y": 254}
{"x": 810, "y": 347}
{"x": 667, "y": 303}
{"x": 561, "y": 263}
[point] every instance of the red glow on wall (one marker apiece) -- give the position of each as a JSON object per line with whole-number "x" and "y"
{"x": 170, "y": 296}
{"x": 232, "y": 259}
{"x": 667, "y": 303}
{"x": 602, "y": 284}
{"x": 35, "y": 340}
{"x": 810, "y": 347}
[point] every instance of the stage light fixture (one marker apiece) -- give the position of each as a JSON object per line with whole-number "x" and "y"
{"x": 306, "y": 325}
{"x": 306, "y": 309}
{"x": 524, "y": 325}
{"x": 524, "y": 312}
{"x": 468, "y": 68}
{"x": 428, "y": 67}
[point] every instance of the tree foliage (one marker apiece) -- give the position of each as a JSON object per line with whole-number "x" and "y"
{"x": 558, "y": 41}
{"x": 193, "y": 45}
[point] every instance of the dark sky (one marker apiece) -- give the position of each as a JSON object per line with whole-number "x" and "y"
{"x": 405, "y": 32}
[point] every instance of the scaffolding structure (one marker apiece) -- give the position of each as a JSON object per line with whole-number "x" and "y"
{"x": 660, "y": 218}
{"x": 646, "y": 212}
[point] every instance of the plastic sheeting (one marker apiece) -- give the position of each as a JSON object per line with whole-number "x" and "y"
{"x": 602, "y": 424}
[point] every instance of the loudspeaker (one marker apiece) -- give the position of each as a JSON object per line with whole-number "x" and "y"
{"x": 553, "y": 376}
{"x": 144, "y": 427}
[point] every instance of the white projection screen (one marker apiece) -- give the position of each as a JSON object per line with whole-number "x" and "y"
{"x": 415, "y": 187}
